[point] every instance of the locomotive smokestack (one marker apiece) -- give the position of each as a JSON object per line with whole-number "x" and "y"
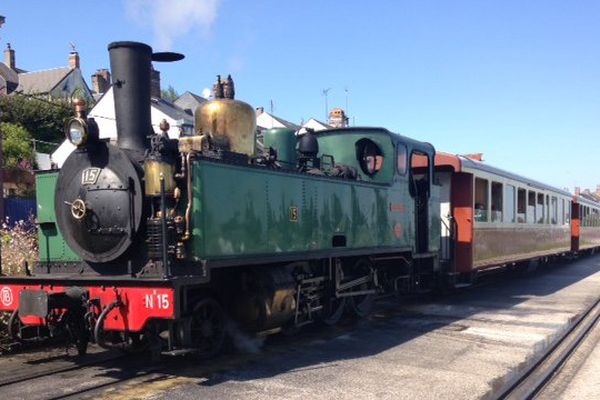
{"x": 130, "y": 64}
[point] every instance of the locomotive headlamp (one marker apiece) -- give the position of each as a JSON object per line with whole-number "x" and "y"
{"x": 77, "y": 131}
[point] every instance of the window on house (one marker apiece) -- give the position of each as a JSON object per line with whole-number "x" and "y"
{"x": 521, "y": 205}
{"x": 509, "y": 203}
{"x": 531, "y": 207}
{"x": 481, "y": 205}
{"x": 496, "y": 202}
{"x": 539, "y": 208}
{"x": 554, "y": 210}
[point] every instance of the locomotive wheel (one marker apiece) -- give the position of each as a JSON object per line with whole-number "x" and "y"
{"x": 361, "y": 305}
{"x": 208, "y": 327}
{"x": 334, "y": 307}
{"x": 333, "y": 310}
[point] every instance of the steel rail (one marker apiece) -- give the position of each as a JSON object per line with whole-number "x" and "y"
{"x": 532, "y": 380}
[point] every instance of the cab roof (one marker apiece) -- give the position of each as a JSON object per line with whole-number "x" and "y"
{"x": 394, "y": 137}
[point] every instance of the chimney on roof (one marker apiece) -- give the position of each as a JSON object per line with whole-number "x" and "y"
{"x": 73, "y": 59}
{"x": 259, "y": 110}
{"x": 598, "y": 190}
{"x": 101, "y": 80}
{"x": 577, "y": 190}
{"x": 155, "y": 84}
{"x": 9, "y": 57}
{"x": 338, "y": 118}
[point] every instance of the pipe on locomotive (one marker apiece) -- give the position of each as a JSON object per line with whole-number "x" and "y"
{"x": 130, "y": 64}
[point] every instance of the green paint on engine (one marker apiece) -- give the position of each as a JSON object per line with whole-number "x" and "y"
{"x": 255, "y": 211}
{"x": 250, "y": 211}
{"x": 52, "y": 246}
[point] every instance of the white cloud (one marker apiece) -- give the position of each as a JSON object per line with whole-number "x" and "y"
{"x": 171, "y": 19}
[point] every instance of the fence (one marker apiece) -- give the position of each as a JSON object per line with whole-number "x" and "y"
{"x": 19, "y": 209}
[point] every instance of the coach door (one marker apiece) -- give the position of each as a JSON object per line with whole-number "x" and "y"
{"x": 420, "y": 181}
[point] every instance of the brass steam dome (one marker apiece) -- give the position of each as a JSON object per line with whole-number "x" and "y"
{"x": 230, "y": 123}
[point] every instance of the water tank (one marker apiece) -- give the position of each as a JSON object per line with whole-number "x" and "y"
{"x": 282, "y": 140}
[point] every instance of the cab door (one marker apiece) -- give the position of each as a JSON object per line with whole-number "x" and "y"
{"x": 420, "y": 189}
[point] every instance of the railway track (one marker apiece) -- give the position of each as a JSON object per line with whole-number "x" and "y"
{"x": 546, "y": 369}
{"x": 102, "y": 373}
{"x": 96, "y": 373}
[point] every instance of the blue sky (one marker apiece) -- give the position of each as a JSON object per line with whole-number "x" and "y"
{"x": 516, "y": 80}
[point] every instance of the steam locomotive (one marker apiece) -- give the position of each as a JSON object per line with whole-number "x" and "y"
{"x": 165, "y": 242}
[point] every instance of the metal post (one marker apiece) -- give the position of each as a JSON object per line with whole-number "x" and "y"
{"x": 163, "y": 214}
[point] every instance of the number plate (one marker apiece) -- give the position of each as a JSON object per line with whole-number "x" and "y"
{"x": 89, "y": 176}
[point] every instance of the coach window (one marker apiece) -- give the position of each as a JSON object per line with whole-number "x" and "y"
{"x": 522, "y": 206}
{"x": 496, "y": 202}
{"x": 568, "y": 212}
{"x": 401, "y": 159}
{"x": 554, "y": 210}
{"x": 562, "y": 209}
{"x": 481, "y": 205}
{"x": 584, "y": 216}
{"x": 539, "y": 208}
{"x": 509, "y": 203}
{"x": 547, "y": 209}
{"x": 531, "y": 207}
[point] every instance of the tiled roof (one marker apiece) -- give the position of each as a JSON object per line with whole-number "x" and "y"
{"x": 41, "y": 81}
{"x": 171, "y": 110}
{"x": 287, "y": 124}
{"x": 189, "y": 101}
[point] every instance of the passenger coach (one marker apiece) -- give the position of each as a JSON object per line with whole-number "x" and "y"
{"x": 492, "y": 218}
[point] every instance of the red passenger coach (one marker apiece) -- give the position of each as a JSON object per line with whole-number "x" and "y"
{"x": 493, "y": 218}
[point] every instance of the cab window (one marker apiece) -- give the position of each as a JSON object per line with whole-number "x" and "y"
{"x": 369, "y": 155}
{"x": 401, "y": 156}
{"x": 420, "y": 172}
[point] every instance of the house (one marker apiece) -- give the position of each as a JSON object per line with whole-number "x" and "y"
{"x": 264, "y": 120}
{"x": 9, "y": 73}
{"x": 588, "y": 194}
{"x": 189, "y": 101}
{"x": 181, "y": 123}
{"x": 101, "y": 82}
{"x": 315, "y": 125}
{"x": 63, "y": 82}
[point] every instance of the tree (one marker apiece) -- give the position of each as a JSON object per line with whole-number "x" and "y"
{"x": 44, "y": 120}
{"x": 170, "y": 94}
{"x": 16, "y": 144}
